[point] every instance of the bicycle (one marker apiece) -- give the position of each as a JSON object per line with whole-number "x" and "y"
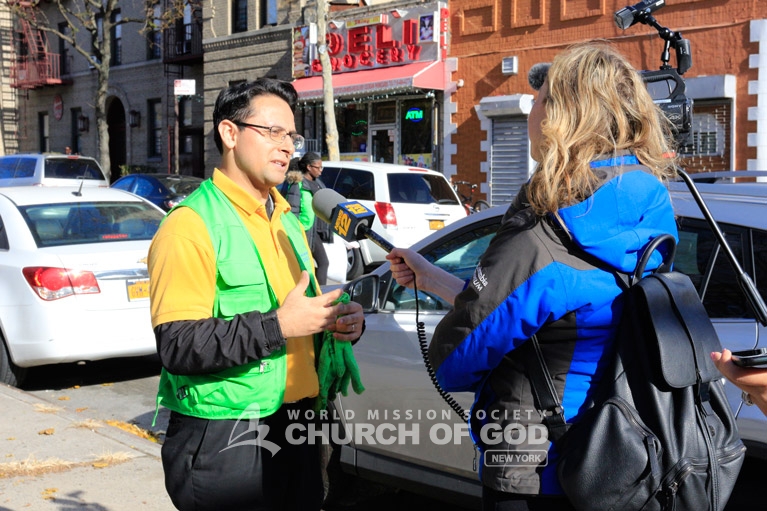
{"x": 468, "y": 200}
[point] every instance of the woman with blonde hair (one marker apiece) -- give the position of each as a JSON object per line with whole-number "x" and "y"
{"x": 555, "y": 267}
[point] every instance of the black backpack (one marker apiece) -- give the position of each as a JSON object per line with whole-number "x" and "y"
{"x": 660, "y": 434}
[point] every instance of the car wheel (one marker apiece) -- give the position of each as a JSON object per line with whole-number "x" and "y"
{"x": 10, "y": 373}
{"x": 354, "y": 265}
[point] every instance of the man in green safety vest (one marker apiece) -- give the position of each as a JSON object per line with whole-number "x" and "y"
{"x": 235, "y": 310}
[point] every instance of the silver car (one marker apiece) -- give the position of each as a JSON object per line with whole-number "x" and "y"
{"x": 402, "y": 433}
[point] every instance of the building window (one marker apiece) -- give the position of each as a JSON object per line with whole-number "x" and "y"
{"x": 416, "y": 117}
{"x": 23, "y": 47}
{"x": 708, "y": 149}
{"x": 154, "y": 127}
{"x": 117, "y": 45}
{"x": 239, "y": 16}
{"x": 99, "y": 37}
{"x": 154, "y": 37}
{"x": 44, "y": 130}
{"x": 75, "y": 135}
{"x": 64, "y": 59}
{"x": 186, "y": 145}
{"x": 185, "y": 112}
{"x": 352, "y": 121}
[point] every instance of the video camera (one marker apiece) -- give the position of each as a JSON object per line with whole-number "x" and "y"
{"x": 675, "y": 106}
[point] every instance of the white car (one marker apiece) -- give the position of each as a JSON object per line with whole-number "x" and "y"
{"x": 74, "y": 284}
{"x": 51, "y": 169}
{"x": 409, "y": 202}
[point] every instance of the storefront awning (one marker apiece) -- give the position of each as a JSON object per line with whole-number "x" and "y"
{"x": 420, "y": 75}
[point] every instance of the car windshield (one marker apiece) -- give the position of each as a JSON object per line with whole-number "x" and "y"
{"x": 180, "y": 185}
{"x": 72, "y": 168}
{"x": 417, "y": 188}
{"x": 91, "y": 222}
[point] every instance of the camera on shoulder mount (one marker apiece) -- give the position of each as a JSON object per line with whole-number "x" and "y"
{"x": 676, "y": 106}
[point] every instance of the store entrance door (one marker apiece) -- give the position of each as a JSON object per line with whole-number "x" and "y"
{"x": 382, "y": 143}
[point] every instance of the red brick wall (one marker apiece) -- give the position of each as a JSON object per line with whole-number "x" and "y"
{"x": 485, "y": 31}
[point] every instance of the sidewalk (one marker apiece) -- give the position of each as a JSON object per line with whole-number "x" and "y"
{"x": 51, "y": 460}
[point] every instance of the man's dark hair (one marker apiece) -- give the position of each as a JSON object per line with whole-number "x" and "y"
{"x": 233, "y": 102}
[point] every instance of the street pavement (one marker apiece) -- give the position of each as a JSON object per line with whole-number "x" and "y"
{"x": 52, "y": 460}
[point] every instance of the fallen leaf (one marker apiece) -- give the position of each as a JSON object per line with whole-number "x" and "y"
{"x": 47, "y": 408}
{"x": 48, "y": 431}
{"x": 100, "y": 464}
{"x": 64, "y": 398}
{"x": 78, "y": 410}
{"x": 11, "y": 438}
{"x": 107, "y": 384}
{"x": 132, "y": 428}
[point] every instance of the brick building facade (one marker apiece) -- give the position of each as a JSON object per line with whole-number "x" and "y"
{"x": 495, "y": 44}
{"x": 468, "y": 82}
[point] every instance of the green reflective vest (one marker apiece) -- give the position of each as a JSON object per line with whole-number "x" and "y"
{"x": 257, "y": 388}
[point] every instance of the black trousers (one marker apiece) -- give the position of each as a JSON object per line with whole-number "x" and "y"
{"x": 493, "y": 500}
{"x": 246, "y": 465}
{"x": 321, "y": 258}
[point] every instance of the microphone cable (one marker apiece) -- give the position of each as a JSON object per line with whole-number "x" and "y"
{"x": 420, "y": 328}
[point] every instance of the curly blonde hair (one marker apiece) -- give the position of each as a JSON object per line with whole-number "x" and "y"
{"x": 597, "y": 107}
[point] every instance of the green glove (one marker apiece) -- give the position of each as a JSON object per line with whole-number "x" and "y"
{"x": 336, "y": 366}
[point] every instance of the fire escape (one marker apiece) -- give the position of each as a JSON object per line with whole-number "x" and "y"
{"x": 33, "y": 65}
{"x": 182, "y": 50}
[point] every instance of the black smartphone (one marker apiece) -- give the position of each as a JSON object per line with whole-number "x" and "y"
{"x": 751, "y": 358}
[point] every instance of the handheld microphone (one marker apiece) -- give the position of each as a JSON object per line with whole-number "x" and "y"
{"x": 349, "y": 219}
{"x": 633, "y": 13}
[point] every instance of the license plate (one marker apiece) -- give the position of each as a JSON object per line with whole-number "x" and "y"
{"x": 138, "y": 289}
{"x": 436, "y": 225}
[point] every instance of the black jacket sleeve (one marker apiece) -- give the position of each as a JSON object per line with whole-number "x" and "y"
{"x": 294, "y": 198}
{"x": 211, "y": 345}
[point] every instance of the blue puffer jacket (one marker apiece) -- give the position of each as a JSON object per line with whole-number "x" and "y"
{"x": 537, "y": 277}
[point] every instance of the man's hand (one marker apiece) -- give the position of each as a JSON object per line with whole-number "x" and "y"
{"x": 300, "y": 315}
{"x": 348, "y": 326}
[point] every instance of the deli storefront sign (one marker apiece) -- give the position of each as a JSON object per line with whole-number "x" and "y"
{"x": 391, "y": 38}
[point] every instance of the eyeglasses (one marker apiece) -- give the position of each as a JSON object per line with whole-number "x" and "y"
{"x": 277, "y": 134}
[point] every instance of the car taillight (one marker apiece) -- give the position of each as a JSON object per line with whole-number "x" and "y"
{"x": 54, "y": 283}
{"x": 172, "y": 202}
{"x": 385, "y": 212}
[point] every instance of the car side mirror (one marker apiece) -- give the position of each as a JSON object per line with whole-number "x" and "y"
{"x": 364, "y": 291}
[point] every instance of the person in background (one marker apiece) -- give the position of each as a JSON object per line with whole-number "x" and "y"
{"x": 595, "y": 200}
{"x": 301, "y": 184}
{"x": 752, "y": 381}
{"x": 236, "y": 312}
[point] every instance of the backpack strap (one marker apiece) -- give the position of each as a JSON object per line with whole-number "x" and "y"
{"x": 541, "y": 383}
{"x": 655, "y": 244}
{"x": 548, "y": 401}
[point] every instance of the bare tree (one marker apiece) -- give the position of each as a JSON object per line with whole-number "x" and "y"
{"x": 98, "y": 19}
{"x": 331, "y": 130}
